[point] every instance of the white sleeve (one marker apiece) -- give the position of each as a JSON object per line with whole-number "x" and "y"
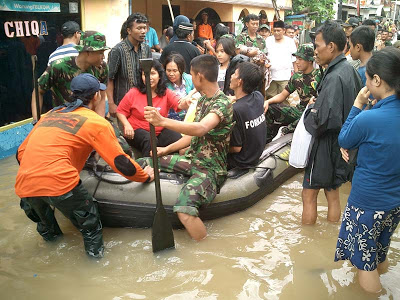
{"x": 293, "y": 49}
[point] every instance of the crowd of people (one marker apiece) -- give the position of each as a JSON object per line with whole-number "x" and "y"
{"x": 348, "y": 85}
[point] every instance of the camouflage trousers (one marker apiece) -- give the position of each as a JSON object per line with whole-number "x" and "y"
{"x": 200, "y": 189}
{"x": 287, "y": 116}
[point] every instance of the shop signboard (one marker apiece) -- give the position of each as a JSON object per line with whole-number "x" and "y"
{"x": 25, "y": 28}
{"x": 29, "y": 6}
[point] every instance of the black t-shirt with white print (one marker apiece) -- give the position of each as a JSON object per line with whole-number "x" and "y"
{"x": 250, "y": 130}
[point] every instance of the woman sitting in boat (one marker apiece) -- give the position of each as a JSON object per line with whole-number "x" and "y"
{"x": 130, "y": 111}
{"x": 372, "y": 212}
{"x": 178, "y": 81}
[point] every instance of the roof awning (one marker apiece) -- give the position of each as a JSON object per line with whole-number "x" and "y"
{"x": 258, "y": 3}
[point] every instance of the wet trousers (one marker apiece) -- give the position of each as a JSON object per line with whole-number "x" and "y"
{"x": 78, "y": 206}
{"x": 287, "y": 116}
{"x": 200, "y": 189}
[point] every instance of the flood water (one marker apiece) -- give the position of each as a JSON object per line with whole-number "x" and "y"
{"x": 260, "y": 253}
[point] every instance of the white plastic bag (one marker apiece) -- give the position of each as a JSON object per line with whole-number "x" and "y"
{"x": 302, "y": 142}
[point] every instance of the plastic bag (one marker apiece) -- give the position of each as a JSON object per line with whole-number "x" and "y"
{"x": 302, "y": 142}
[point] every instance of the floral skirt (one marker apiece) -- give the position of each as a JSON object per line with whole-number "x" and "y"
{"x": 364, "y": 236}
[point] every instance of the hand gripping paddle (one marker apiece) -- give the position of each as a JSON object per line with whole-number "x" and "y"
{"x": 162, "y": 234}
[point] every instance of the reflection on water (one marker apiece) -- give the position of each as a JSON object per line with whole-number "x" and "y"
{"x": 261, "y": 253}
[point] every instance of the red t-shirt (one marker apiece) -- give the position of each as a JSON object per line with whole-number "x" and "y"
{"x": 133, "y": 103}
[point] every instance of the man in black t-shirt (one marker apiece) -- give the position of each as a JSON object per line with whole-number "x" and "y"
{"x": 248, "y": 137}
{"x": 183, "y": 45}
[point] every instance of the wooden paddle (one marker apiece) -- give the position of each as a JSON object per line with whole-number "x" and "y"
{"x": 35, "y": 86}
{"x": 162, "y": 234}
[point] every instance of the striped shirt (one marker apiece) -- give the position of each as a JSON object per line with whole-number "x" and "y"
{"x": 118, "y": 67}
{"x": 63, "y": 51}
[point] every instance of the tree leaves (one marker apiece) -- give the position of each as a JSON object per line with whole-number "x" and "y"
{"x": 323, "y": 8}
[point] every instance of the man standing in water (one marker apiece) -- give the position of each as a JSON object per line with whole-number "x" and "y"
{"x": 323, "y": 119}
{"x": 54, "y": 153}
{"x": 123, "y": 60}
{"x": 208, "y": 136}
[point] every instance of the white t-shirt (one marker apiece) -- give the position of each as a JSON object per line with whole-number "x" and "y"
{"x": 281, "y": 58}
{"x": 221, "y": 77}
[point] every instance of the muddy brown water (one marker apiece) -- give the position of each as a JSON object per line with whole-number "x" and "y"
{"x": 260, "y": 253}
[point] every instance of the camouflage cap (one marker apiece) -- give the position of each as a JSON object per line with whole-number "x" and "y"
{"x": 92, "y": 41}
{"x": 306, "y": 52}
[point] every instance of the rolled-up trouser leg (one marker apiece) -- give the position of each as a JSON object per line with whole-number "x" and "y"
{"x": 40, "y": 212}
{"x": 78, "y": 206}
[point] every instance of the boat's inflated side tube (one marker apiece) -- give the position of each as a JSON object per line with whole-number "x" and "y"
{"x": 263, "y": 177}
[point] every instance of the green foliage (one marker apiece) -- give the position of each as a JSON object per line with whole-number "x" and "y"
{"x": 323, "y": 8}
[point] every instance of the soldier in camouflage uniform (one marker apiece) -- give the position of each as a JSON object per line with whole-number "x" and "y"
{"x": 57, "y": 77}
{"x": 208, "y": 137}
{"x": 305, "y": 83}
{"x": 250, "y": 43}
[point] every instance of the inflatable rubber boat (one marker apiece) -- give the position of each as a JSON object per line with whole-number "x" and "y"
{"x": 123, "y": 203}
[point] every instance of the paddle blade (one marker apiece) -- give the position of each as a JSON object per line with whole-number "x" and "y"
{"x": 162, "y": 234}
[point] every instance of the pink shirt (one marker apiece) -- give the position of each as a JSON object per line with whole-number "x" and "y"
{"x": 133, "y": 103}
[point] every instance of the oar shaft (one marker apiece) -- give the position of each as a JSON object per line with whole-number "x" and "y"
{"x": 35, "y": 85}
{"x": 153, "y": 142}
{"x": 170, "y": 10}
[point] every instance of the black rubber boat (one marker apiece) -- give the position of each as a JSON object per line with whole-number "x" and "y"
{"x": 130, "y": 204}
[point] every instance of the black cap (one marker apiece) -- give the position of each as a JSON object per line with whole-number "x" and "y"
{"x": 86, "y": 84}
{"x": 69, "y": 28}
{"x": 186, "y": 27}
{"x": 351, "y": 22}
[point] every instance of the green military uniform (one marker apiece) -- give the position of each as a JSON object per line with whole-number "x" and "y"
{"x": 206, "y": 160}
{"x": 306, "y": 87}
{"x": 388, "y": 43}
{"x": 244, "y": 39}
{"x": 59, "y": 74}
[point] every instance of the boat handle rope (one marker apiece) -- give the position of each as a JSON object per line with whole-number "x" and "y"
{"x": 274, "y": 156}
{"x": 98, "y": 181}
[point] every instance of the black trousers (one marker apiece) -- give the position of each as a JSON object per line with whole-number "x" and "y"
{"x": 142, "y": 141}
{"x": 78, "y": 206}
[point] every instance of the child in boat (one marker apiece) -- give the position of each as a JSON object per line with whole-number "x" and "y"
{"x": 225, "y": 50}
{"x": 208, "y": 136}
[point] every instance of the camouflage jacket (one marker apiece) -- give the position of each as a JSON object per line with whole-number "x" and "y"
{"x": 210, "y": 151}
{"x": 244, "y": 39}
{"x": 57, "y": 77}
{"x": 305, "y": 85}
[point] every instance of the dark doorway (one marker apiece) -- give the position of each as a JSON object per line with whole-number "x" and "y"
{"x": 166, "y": 15}
{"x": 40, "y": 35}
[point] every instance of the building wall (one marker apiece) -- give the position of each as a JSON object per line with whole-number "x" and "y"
{"x": 227, "y": 12}
{"x": 105, "y": 16}
{"x": 237, "y": 9}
